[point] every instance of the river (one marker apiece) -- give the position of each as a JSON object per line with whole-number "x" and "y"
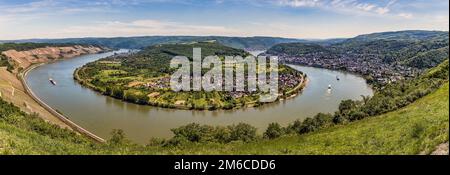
{"x": 101, "y": 114}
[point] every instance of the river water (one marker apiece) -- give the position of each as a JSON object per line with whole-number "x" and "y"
{"x": 100, "y": 114}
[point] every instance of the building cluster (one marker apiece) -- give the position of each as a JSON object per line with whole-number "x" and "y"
{"x": 368, "y": 65}
{"x": 288, "y": 81}
{"x": 161, "y": 83}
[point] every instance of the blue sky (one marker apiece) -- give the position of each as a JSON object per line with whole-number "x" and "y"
{"x": 23, "y": 19}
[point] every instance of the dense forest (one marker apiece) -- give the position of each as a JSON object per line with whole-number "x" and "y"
{"x": 300, "y": 49}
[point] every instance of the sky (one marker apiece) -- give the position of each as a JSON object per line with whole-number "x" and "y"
{"x": 307, "y": 19}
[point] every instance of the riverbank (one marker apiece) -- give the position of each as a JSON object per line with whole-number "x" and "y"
{"x": 14, "y": 89}
{"x": 54, "y": 112}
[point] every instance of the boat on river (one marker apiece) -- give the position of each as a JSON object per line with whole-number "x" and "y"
{"x": 52, "y": 81}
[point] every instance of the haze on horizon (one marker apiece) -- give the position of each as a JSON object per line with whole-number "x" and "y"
{"x": 313, "y": 19}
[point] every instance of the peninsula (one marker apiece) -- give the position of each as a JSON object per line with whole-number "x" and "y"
{"x": 144, "y": 78}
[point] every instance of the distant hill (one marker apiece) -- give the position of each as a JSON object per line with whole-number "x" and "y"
{"x": 409, "y": 35}
{"x": 250, "y": 43}
{"x": 298, "y": 49}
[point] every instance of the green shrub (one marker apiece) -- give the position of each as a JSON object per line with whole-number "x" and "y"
{"x": 157, "y": 142}
{"x": 222, "y": 134}
{"x": 117, "y": 137}
{"x": 417, "y": 130}
{"x": 294, "y": 127}
{"x": 273, "y": 131}
{"x": 194, "y": 132}
{"x": 243, "y": 132}
{"x": 312, "y": 124}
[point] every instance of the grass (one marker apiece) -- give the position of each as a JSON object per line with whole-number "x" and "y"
{"x": 417, "y": 128}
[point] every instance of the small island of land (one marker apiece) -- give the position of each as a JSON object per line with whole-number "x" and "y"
{"x": 144, "y": 78}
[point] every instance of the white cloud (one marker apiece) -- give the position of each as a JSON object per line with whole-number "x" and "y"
{"x": 382, "y": 10}
{"x": 29, "y": 7}
{"x": 299, "y": 3}
{"x": 385, "y": 9}
{"x": 142, "y": 27}
{"x": 347, "y": 6}
{"x": 47, "y": 19}
{"x": 406, "y": 15}
{"x": 365, "y": 7}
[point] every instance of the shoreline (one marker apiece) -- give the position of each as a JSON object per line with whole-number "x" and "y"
{"x": 22, "y": 75}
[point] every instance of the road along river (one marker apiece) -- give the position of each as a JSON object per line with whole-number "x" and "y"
{"x": 101, "y": 114}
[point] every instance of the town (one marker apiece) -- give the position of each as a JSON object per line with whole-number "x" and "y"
{"x": 370, "y": 66}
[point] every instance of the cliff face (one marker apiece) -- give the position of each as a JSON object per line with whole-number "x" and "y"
{"x": 41, "y": 55}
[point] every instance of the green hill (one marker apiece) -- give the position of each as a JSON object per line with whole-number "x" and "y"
{"x": 403, "y": 35}
{"x": 419, "y": 49}
{"x": 298, "y": 49}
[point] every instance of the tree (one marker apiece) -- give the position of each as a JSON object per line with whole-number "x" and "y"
{"x": 117, "y": 137}
{"x": 194, "y": 132}
{"x": 273, "y": 131}
{"x": 365, "y": 99}
{"x": 346, "y": 105}
{"x": 243, "y": 132}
